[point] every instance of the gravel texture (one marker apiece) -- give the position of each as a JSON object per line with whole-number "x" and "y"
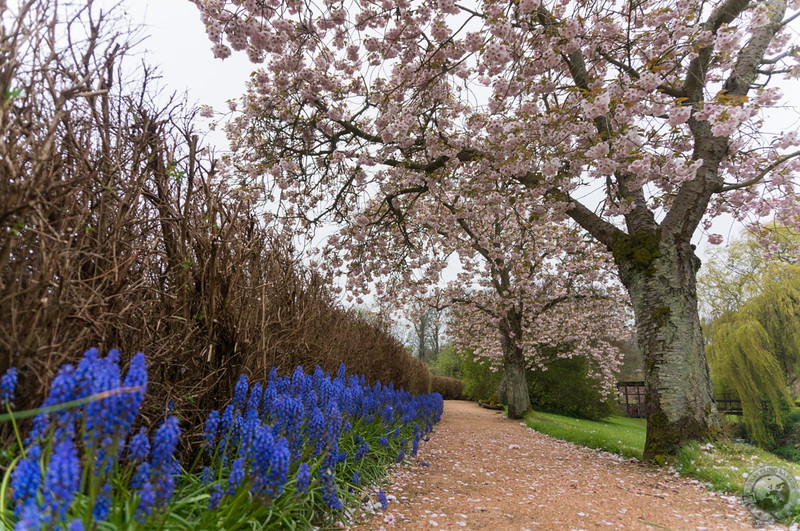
{"x": 480, "y": 470}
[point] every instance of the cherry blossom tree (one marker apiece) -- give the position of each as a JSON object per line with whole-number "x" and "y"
{"x": 524, "y": 296}
{"x": 656, "y": 105}
{"x": 550, "y": 321}
{"x": 527, "y": 286}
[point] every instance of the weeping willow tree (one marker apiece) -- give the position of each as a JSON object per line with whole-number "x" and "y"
{"x": 733, "y": 274}
{"x": 754, "y": 353}
{"x": 778, "y": 311}
{"x": 742, "y": 363}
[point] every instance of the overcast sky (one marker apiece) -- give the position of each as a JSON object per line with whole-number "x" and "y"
{"x": 177, "y": 43}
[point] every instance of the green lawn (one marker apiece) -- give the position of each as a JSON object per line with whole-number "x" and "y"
{"x": 723, "y": 465}
{"x": 619, "y": 435}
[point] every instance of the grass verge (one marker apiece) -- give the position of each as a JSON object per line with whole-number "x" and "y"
{"x": 723, "y": 465}
{"x": 619, "y": 435}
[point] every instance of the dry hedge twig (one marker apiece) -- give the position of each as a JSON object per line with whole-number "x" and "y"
{"x": 118, "y": 230}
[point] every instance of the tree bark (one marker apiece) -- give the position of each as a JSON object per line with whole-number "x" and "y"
{"x": 660, "y": 277}
{"x": 519, "y": 401}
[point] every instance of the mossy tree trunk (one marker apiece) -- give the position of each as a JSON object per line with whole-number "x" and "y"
{"x": 679, "y": 398}
{"x": 657, "y": 265}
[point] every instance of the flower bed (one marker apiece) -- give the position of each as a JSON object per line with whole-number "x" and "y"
{"x": 294, "y": 451}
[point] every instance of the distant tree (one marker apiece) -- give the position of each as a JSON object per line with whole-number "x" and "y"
{"x": 735, "y": 273}
{"x": 448, "y": 363}
{"x": 754, "y": 351}
{"x": 428, "y": 321}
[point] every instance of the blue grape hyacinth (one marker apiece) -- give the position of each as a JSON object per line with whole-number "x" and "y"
{"x": 316, "y": 433}
{"x": 383, "y": 500}
{"x": 8, "y": 384}
{"x": 303, "y": 478}
{"x": 27, "y": 479}
{"x": 62, "y": 479}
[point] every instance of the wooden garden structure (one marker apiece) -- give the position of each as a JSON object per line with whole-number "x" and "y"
{"x": 631, "y": 398}
{"x": 632, "y": 401}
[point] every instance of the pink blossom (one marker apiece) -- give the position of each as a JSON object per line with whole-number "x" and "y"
{"x": 206, "y": 111}
{"x": 788, "y": 139}
{"x": 496, "y": 54}
{"x": 679, "y": 115}
{"x": 440, "y": 31}
{"x": 598, "y": 151}
{"x": 221, "y": 51}
{"x": 529, "y": 6}
{"x": 598, "y": 107}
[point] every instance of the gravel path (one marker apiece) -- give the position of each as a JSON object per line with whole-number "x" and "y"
{"x": 487, "y": 472}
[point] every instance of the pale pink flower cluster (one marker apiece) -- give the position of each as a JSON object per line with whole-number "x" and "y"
{"x": 760, "y": 16}
{"x": 787, "y": 140}
{"x": 206, "y": 111}
{"x": 529, "y": 6}
{"x": 221, "y": 51}
{"x": 679, "y": 115}
{"x": 597, "y": 107}
{"x": 727, "y": 40}
{"x": 495, "y": 56}
{"x": 726, "y": 119}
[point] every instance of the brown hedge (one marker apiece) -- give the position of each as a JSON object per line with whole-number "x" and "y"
{"x": 449, "y": 388}
{"x": 117, "y": 230}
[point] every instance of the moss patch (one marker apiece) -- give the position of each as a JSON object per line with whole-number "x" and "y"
{"x": 637, "y": 251}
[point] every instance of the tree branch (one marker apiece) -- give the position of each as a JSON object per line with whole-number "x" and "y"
{"x": 479, "y": 306}
{"x": 761, "y": 175}
{"x": 601, "y": 230}
{"x": 752, "y": 54}
{"x": 696, "y": 75}
{"x": 465, "y": 155}
{"x": 640, "y": 216}
{"x": 665, "y": 89}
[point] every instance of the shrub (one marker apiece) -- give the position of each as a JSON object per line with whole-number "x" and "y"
{"x": 449, "y": 388}
{"x": 566, "y": 387}
{"x": 790, "y": 453}
{"x": 481, "y": 377}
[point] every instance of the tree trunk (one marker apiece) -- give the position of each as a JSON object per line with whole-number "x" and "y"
{"x": 519, "y": 401}
{"x": 661, "y": 279}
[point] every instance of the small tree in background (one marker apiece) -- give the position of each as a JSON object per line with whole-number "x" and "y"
{"x": 428, "y": 323}
{"x": 448, "y": 363}
{"x": 481, "y": 377}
